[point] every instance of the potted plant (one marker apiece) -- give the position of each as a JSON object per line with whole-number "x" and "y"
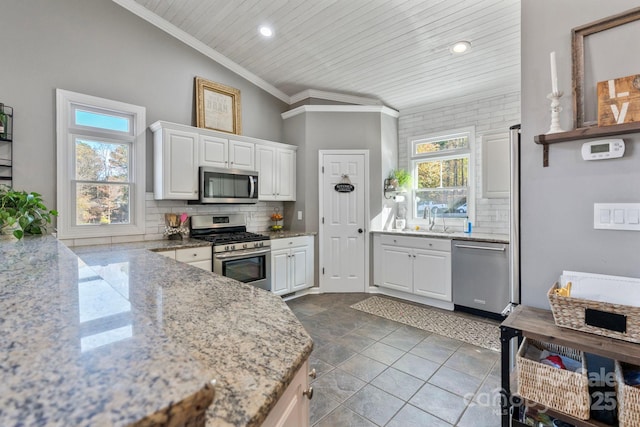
{"x": 23, "y": 213}
{"x": 399, "y": 178}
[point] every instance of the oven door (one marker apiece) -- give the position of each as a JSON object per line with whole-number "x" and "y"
{"x": 248, "y": 266}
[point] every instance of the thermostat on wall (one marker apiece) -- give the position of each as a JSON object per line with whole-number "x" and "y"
{"x": 603, "y": 149}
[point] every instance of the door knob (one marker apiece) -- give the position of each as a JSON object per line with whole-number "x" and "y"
{"x": 360, "y": 230}
{"x": 313, "y": 374}
{"x": 308, "y": 393}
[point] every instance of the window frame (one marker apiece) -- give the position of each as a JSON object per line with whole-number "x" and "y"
{"x": 468, "y": 152}
{"x": 67, "y": 132}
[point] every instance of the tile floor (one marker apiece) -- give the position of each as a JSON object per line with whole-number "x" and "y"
{"x": 375, "y": 372}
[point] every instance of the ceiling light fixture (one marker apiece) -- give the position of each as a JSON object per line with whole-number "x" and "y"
{"x": 460, "y": 47}
{"x": 266, "y": 31}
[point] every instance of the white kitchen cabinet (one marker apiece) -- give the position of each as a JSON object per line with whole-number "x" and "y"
{"x": 220, "y": 152}
{"x": 179, "y": 150}
{"x": 291, "y": 264}
{"x": 292, "y": 409}
{"x": 416, "y": 265}
{"x": 214, "y": 151}
{"x": 198, "y": 257}
{"x": 242, "y": 155}
{"x": 277, "y": 168}
{"x": 175, "y": 162}
{"x": 496, "y": 166}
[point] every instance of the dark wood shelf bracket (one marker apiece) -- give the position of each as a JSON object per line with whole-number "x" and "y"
{"x": 582, "y": 133}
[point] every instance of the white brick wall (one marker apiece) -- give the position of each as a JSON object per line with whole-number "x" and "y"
{"x": 488, "y": 115}
{"x": 257, "y": 217}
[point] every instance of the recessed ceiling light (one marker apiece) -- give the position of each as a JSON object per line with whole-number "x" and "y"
{"x": 266, "y": 31}
{"x": 460, "y": 47}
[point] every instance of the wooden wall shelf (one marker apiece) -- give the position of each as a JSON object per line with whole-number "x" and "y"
{"x": 582, "y": 133}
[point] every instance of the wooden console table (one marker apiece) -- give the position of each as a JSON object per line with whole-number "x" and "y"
{"x": 539, "y": 325}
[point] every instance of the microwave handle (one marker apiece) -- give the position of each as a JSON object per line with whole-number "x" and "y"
{"x": 252, "y": 187}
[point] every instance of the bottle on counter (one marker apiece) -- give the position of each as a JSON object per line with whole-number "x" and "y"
{"x": 467, "y": 225}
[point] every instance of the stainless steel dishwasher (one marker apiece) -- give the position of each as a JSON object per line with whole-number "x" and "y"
{"x": 480, "y": 276}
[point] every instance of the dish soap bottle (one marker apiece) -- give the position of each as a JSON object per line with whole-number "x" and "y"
{"x": 467, "y": 225}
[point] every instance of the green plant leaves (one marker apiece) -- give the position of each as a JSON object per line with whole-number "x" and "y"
{"x": 27, "y": 210}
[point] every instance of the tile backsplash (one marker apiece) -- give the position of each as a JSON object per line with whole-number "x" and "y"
{"x": 257, "y": 215}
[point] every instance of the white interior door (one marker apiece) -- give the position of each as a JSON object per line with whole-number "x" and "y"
{"x": 343, "y": 221}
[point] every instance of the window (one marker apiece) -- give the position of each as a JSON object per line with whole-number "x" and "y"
{"x": 101, "y": 159}
{"x": 443, "y": 175}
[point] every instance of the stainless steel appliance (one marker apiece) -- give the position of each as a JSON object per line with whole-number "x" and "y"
{"x": 236, "y": 253}
{"x": 514, "y": 220}
{"x": 220, "y": 185}
{"x": 480, "y": 277}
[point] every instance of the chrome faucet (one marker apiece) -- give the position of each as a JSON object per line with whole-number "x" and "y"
{"x": 432, "y": 219}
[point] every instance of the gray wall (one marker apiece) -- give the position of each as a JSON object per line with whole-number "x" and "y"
{"x": 98, "y": 48}
{"x": 557, "y": 202}
{"x": 314, "y": 131}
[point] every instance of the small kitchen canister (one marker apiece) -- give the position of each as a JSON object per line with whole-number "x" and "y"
{"x": 401, "y": 223}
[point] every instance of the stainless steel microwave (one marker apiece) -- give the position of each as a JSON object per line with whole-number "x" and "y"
{"x": 220, "y": 185}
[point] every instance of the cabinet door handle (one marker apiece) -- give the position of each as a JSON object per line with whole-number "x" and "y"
{"x": 484, "y": 248}
{"x": 308, "y": 393}
{"x": 414, "y": 256}
{"x": 313, "y": 374}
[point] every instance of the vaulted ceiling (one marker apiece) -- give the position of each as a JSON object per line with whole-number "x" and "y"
{"x": 396, "y": 51}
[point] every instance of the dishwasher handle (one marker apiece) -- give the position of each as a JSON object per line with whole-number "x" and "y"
{"x": 484, "y": 248}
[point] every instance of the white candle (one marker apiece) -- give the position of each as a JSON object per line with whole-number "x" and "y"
{"x": 554, "y": 74}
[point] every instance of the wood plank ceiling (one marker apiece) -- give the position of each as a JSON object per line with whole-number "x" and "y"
{"x": 396, "y": 51}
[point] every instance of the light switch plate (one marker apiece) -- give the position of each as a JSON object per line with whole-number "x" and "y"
{"x": 616, "y": 216}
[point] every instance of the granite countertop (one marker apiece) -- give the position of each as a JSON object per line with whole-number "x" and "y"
{"x": 283, "y": 234}
{"x": 475, "y": 237}
{"x": 106, "y": 335}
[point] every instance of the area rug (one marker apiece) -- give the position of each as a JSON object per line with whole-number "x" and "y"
{"x": 482, "y": 334}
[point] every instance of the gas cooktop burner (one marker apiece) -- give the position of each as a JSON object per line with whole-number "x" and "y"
{"x": 227, "y": 238}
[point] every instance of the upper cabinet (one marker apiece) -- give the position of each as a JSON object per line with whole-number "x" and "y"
{"x": 241, "y": 155}
{"x": 226, "y": 153}
{"x": 496, "y": 166}
{"x": 277, "y": 166}
{"x": 175, "y": 161}
{"x": 180, "y": 149}
{"x": 214, "y": 151}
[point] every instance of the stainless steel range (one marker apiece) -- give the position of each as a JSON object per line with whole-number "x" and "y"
{"x": 236, "y": 253}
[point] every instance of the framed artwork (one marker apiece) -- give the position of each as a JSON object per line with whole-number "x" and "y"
{"x": 600, "y": 43}
{"x": 217, "y": 106}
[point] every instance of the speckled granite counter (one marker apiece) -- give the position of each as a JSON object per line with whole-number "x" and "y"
{"x": 108, "y": 335}
{"x": 287, "y": 234}
{"x": 476, "y": 237}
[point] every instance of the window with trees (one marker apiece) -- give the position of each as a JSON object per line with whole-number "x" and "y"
{"x": 442, "y": 175}
{"x": 101, "y": 155}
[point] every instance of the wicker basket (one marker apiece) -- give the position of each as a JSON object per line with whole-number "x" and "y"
{"x": 570, "y": 312}
{"x": 628, "y": 400}
{"x": 560, "y": 389}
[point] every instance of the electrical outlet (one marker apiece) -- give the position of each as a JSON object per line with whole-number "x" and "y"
{"x": 299, "y": 215}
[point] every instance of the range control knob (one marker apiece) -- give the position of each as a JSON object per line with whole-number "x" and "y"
{"x": 244, "y": 246}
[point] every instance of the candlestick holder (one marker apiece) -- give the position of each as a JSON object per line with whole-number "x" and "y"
{"x": 555, "y": 112}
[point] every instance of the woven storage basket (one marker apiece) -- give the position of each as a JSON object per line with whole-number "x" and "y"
{"x": 569, "y": 312}
{"x": 560, "y": 389}
{"x": 628, "y": 400}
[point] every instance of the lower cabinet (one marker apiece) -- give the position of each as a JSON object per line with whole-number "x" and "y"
{"x": 198, "y": 257}
{"x": 417, "y": 265}
{"x": 292, "y": 410}
{"x": 291, "y": 264}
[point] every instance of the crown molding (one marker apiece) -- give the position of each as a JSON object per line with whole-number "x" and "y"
{"x": 340, "y": 109}
{"x": 196, "y": 44}
{"x": 332, "y": 96}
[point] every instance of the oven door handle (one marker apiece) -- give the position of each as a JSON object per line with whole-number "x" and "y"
{"x": 233, "y": 255}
